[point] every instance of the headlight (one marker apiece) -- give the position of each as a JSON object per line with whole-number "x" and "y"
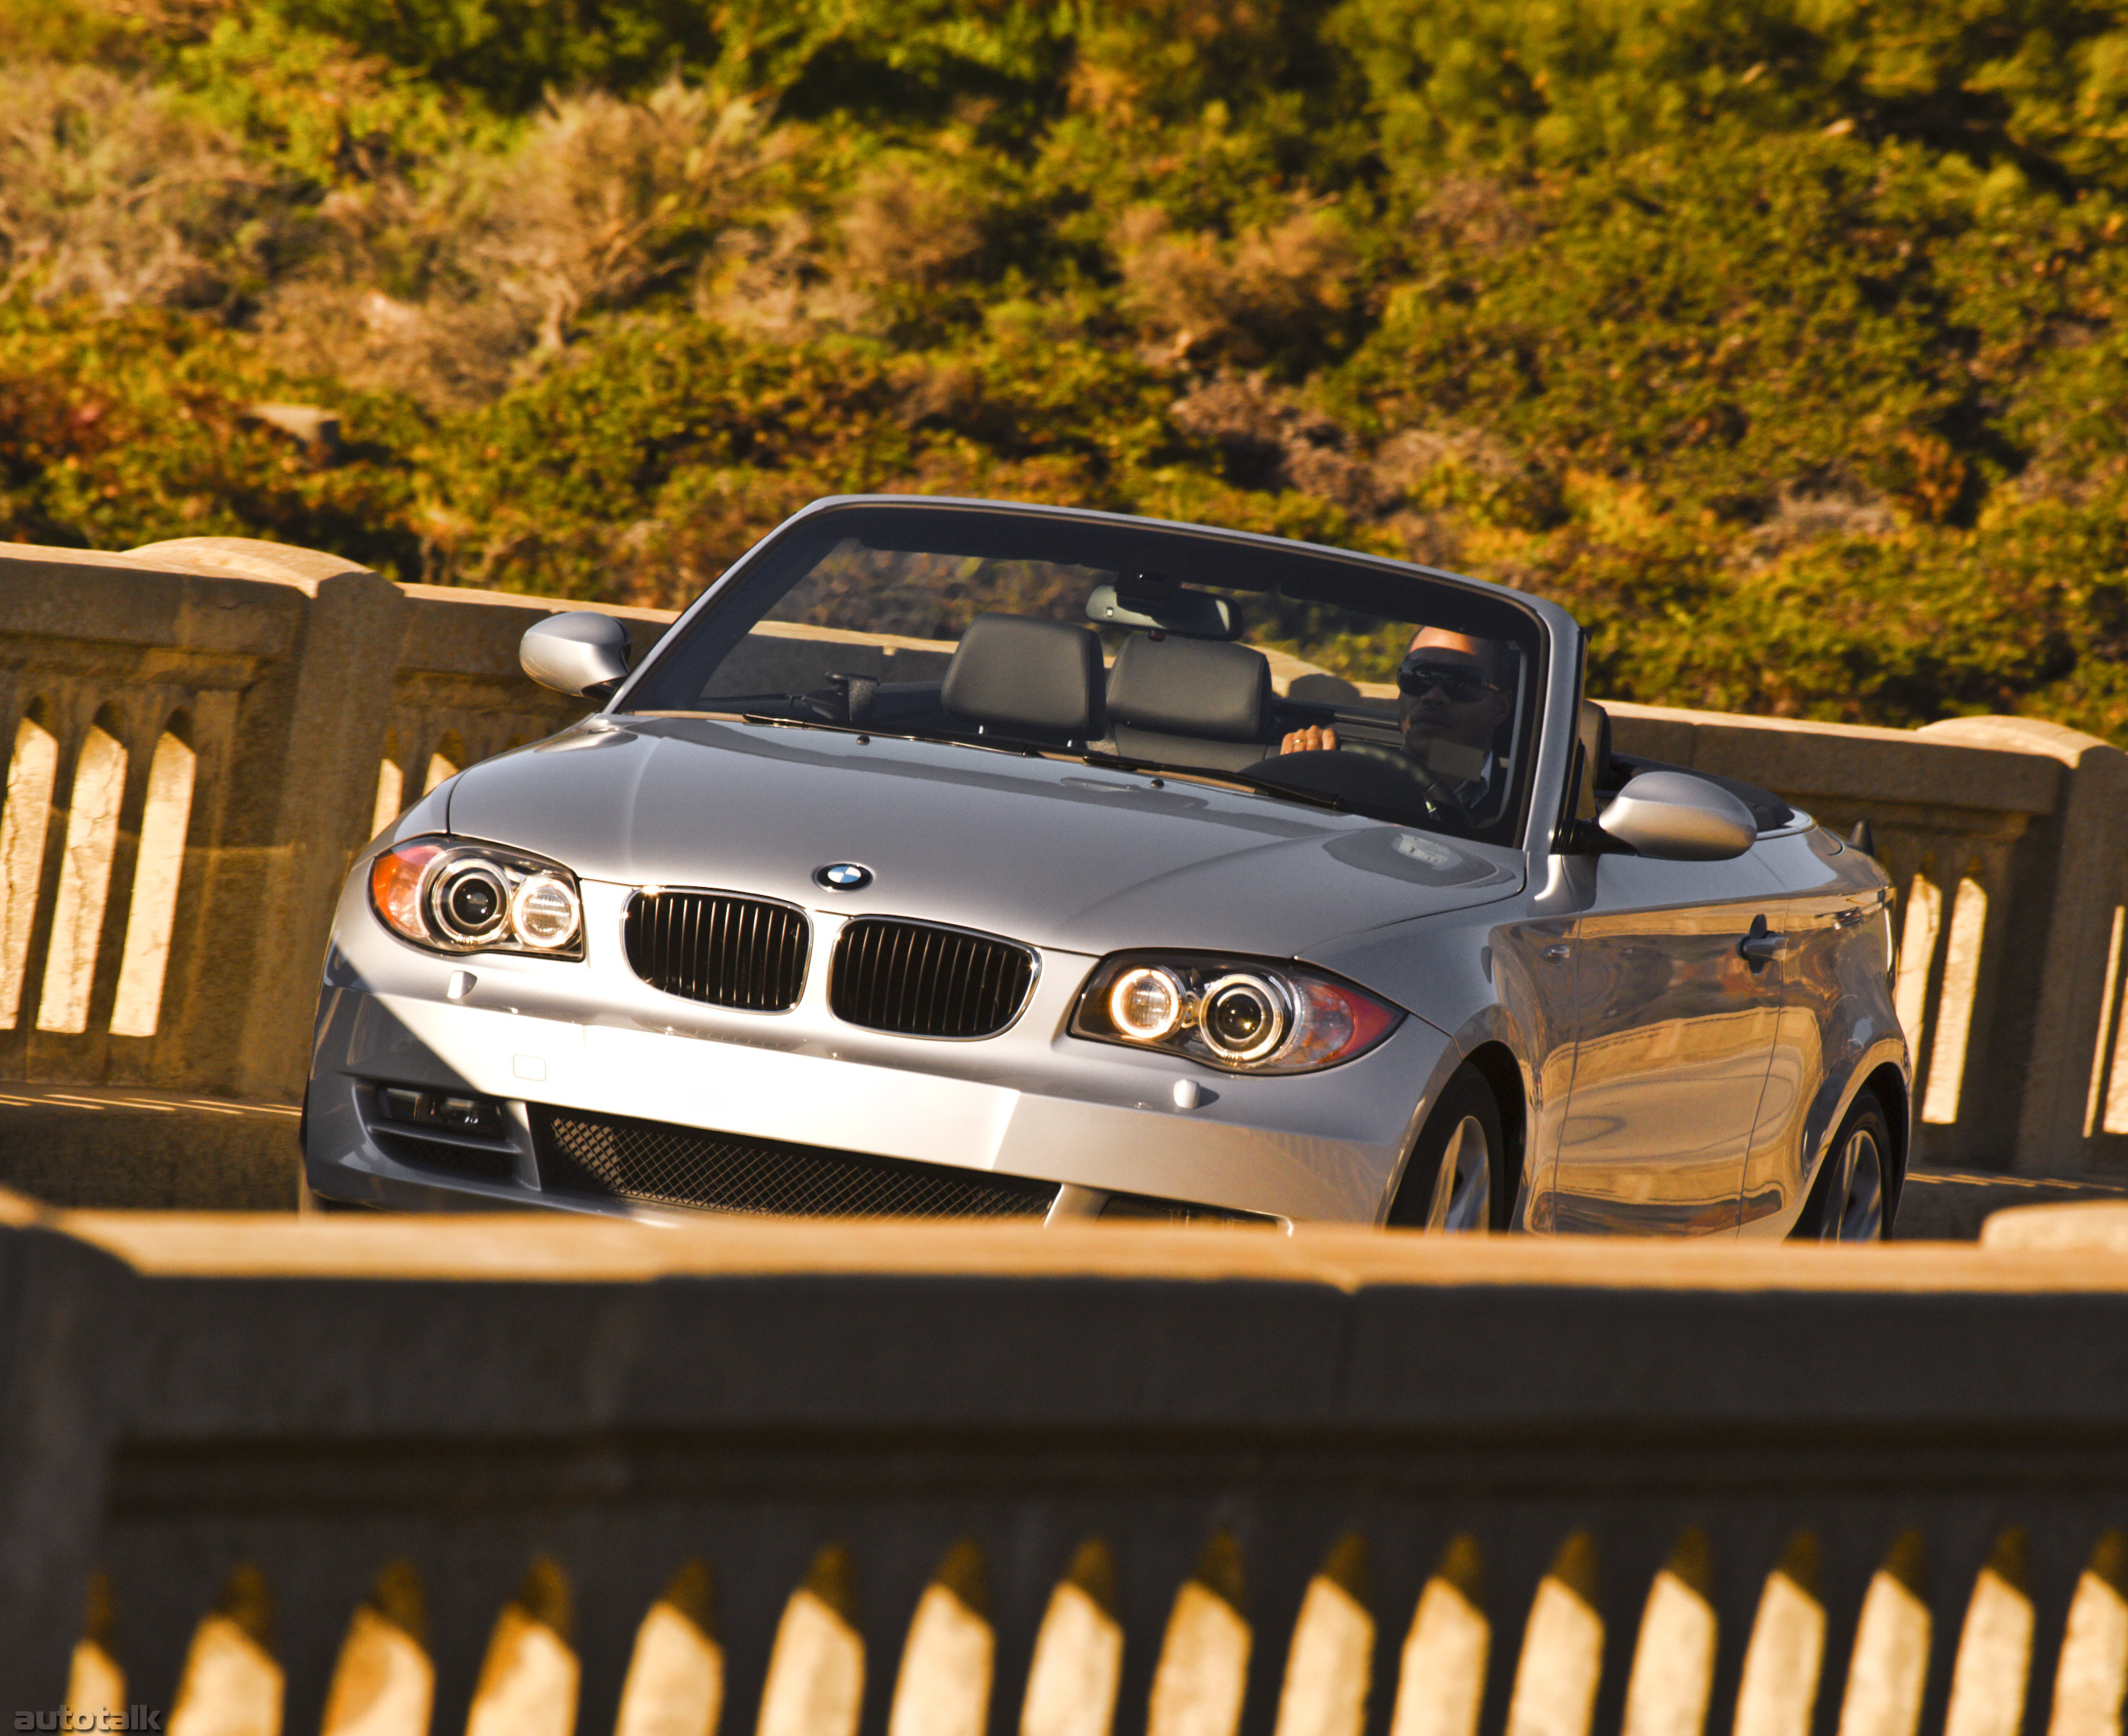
{"x": 475, "y": 897}
{"x": 1146, "y": 1003}
{"x": 1245, "y": 1015}
{"x": 1245, "y": 1018}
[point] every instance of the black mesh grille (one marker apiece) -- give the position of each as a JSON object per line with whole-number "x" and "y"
{"x": 922, "y": 981}
{"x": 710, "y": 947}
{"x": 615, "y": 1157}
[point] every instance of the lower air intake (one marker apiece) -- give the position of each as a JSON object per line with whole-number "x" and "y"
{"x": 921, "y": 980}
{"x": 615, "y": 1157}
{"x": 494, "y": 1163}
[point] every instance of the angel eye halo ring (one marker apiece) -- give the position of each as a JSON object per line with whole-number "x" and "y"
{"x": 1147, "y": 1003}
{"x": 545, "y": 911}
{"x": 451, "y": 896}
{"x": 1239, "y": 1015}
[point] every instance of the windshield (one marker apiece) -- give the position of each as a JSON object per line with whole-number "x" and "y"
{"x": 1279, "y": 667}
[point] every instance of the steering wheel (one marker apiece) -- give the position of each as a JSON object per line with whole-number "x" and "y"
{"x": 1431, "y": 784}
{"x": 1362, "y": 771}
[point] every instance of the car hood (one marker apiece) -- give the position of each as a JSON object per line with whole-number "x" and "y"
{"x": 1051, "y": 852}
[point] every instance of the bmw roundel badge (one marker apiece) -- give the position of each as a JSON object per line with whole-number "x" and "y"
{"x": 843, "y": 877}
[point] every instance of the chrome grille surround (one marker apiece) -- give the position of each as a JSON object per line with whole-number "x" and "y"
{"x": 617, "y": 1157}
{"x": 723, "y": 948}
{"x": 926, "y": 979}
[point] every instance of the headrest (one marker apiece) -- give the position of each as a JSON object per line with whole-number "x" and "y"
{"x": 1024, "y": 673}
{"x": 1318, "y": 688}
{"x": 1197, "y": 687}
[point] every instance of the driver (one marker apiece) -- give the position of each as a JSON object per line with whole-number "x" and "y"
{"x": 1452, "y": 696}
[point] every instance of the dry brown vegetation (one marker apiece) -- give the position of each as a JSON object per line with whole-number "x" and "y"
{"x": 1783, "y": 341}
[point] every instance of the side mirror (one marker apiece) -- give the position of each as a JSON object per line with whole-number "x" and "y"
{"x": 577, "y": 653}
{"x": 1675, "y": 817}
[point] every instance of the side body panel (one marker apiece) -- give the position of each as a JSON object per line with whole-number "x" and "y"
{"x": 1534, "y": 965}
{"x": 1674, "y": 1030}
{"x": 1501, "y": 973}
{"x": 1837, "y": 1022}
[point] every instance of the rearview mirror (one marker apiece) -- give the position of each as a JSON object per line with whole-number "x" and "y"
{"x": 1191, "y": 614}
{"x": 1675, "y": 817}
{"x": 577, "y": 653}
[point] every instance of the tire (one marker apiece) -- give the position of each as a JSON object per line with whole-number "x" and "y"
{"x": 1457, "y": 1178}
{"x": 1848, "y": 1202}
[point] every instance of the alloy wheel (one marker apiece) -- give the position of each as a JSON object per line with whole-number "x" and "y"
{"x": 1463, "y": 1186}
{"x": 1856, "y": 1205}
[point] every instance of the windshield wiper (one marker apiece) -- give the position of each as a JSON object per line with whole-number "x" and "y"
{"x": 1247, "y": 779}
{"x": 1035, "y": 750}
{"x": 1017, "y": 751}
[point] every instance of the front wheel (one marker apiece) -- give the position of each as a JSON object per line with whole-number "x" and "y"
{"x": 1456, "y": 1179}
{"x": 1847, "y": 1205}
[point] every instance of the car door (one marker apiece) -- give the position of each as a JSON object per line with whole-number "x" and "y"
{"x": 1673, "y": 1032}
{"x": 1836, "y": 952}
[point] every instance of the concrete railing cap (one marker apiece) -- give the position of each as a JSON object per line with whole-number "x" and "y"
{"x": 452, "y": 1249}
{"x": 2073, "y": 1226}
{"x": 249, "y": 557}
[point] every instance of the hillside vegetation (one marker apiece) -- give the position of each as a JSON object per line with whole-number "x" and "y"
{"x": 1784, "y": 341}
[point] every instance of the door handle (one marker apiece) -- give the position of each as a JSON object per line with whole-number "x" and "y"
{"x": 1761, "y": 947}
{"x": 1558, "y": 954}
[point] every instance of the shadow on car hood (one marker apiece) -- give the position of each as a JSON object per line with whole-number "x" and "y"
{"x": 1051, "y": 852}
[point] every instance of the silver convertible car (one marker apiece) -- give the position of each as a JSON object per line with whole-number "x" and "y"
{"x": 957, "y": 858}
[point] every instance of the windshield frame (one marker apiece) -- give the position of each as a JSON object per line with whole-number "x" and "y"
{"x": 1243, "y": 561}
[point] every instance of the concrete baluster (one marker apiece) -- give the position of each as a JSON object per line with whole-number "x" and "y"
{"x": 1328, "y": 1666}
{"x": 528, "y": 1680}
{"x": 1785, "y": 1658}
{"x": 2091, "y": 1679}
{"x": 384, "y": 1683}
{"x": 1888, "y": 1670}
{"x": 1441, "y": 1676}
{"x": 943, "y": 1686}
{"x": 1202, "y": 1679}
{"x": 232, "y": 1682}
{"x": 1562, "y": 1656}
{"x": 1672, "y": 1676}
{"x": 676, "y": 1677}
{"x": 1078, "y": 1662}
{"x": 32, "y": 771}
{"x": 816, "y": 1667}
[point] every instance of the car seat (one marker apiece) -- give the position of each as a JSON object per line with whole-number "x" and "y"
{"x": 1190, "y": 702}
{"x": 1036, "y": 680}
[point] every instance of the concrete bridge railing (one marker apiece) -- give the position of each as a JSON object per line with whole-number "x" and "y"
{"x": 201, "y": 733}
{"x": 528, "y": 1478}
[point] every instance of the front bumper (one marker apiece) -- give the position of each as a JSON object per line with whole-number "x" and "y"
{"x": 538, "y": 1035}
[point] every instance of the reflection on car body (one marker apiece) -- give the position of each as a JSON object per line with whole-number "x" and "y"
{"x": 966, "y": 859}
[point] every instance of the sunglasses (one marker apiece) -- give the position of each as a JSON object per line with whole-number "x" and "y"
{"x": 1461, "y": 687}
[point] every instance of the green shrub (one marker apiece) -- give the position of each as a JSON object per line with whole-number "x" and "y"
{"x": 1783, "y": 343}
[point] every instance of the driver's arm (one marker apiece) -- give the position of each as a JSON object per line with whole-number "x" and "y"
{"x": 1315, "y": 738}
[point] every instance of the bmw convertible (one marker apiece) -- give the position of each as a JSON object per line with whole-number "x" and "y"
{"x": 965, "y": 859}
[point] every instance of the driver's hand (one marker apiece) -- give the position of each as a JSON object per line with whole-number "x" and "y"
{"x": 1315, "y": 738}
